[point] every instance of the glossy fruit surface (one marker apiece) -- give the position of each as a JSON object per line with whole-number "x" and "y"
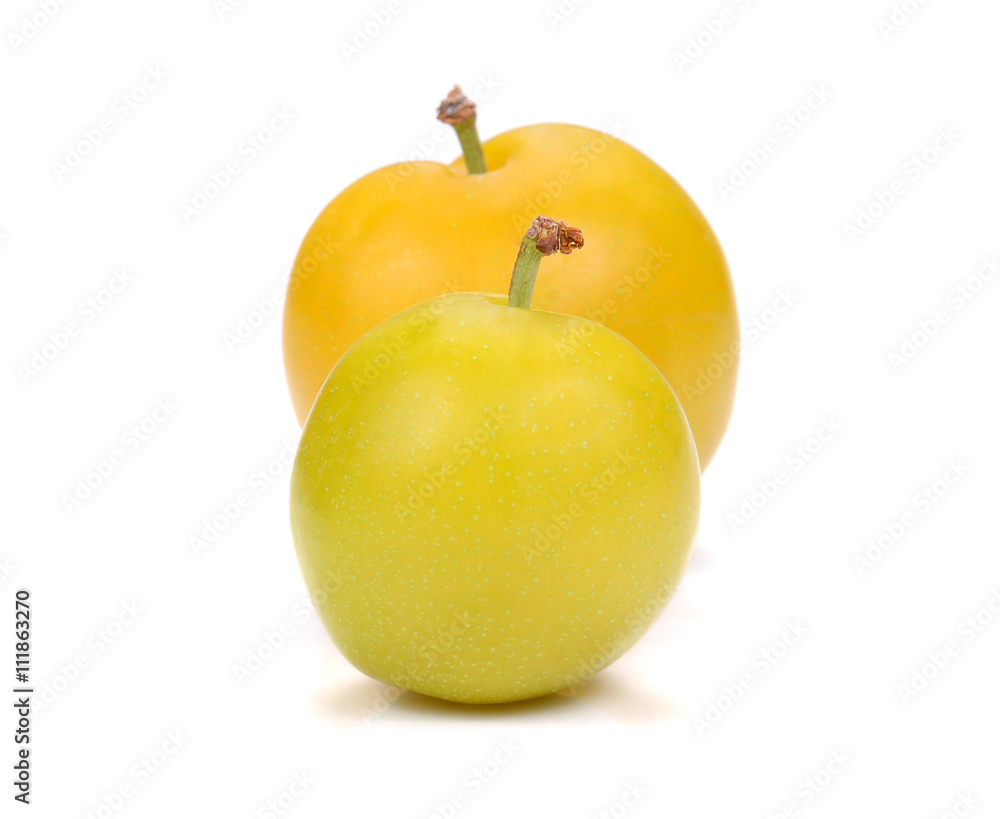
{"x": 491, "y": 503}
{"x": 654, "y": 271}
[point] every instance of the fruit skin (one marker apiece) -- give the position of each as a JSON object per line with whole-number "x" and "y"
{"x": 492, "y": 503}
{"x": 653, "y": 271}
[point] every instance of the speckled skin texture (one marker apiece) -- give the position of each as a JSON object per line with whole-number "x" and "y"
{"x": 504, "y": 499}
{"x": 652, "y": 271}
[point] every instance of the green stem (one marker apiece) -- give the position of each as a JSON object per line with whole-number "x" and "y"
{"x": 460, "y": 113}
{"x": 522, "y": 280}
{"x": 472, "y": 148}
{"x": 545, "y": 237}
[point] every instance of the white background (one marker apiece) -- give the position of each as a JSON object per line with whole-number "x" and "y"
{"x": 833, "y": 690}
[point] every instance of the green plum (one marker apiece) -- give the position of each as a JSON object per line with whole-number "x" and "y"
{"x": 507, "y": 497}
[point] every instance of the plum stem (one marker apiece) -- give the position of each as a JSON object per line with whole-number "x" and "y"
{"x": 458, "y": 111}
{"x": 545, "y": 237}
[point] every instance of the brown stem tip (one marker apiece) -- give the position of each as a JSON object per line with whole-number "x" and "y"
{"x": 551, "y": 236}
{"x": 456, "y": 108}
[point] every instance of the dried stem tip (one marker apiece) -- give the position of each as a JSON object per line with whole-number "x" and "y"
{"x": 456, "y": 109}
{"x": 544, "y": 237}
{"x": 551, "y": 236}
